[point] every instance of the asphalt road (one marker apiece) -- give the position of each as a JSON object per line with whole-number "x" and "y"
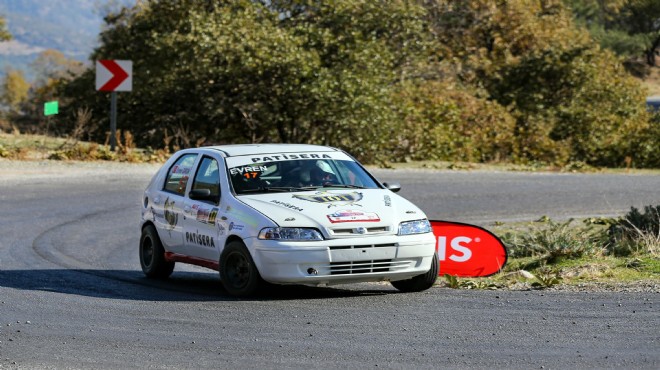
{"x": 72, "y": 294}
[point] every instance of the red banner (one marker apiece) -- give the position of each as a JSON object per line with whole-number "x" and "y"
{"x": 467, "y": 250}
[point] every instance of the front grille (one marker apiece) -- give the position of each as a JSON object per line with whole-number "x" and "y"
{"x": 362, "y": 246}
{"x": 354, "y": 231}
{"x": 369, "y": 266}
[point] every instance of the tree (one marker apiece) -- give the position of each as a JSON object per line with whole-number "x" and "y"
{"x": 52, "y": 65}
{"x": 241, "y": 71}
{"x": 630, "y": 28}
{"x": 471, "y": 80}
{"x": 25, "y": 100}
{"x": 14, "y": 90}
{"x": 530, "y": 58}
{"x": 642, "y": 18}
{"x": 4, "y": 33}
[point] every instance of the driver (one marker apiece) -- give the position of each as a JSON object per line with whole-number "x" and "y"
{"x": 318, "y": 177}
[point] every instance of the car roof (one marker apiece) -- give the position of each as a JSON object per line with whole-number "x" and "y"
{"x": 251, "y": 149}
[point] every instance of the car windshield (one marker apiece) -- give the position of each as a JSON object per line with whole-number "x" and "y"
{"x": 298, "y": 174}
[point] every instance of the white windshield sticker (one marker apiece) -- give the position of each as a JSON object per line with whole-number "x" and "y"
{"x": 264, "y": 158}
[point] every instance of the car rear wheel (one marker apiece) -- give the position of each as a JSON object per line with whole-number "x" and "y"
{"x": 152, "y": 255}
{"x": 238, "y": 273}
{"x": 419, "y": 282}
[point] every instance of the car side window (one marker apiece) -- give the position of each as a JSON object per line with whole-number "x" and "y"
{"x": 208, "y": 177}
{"x": 179, "y": 173}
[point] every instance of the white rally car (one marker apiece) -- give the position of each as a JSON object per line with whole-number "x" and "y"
{"x": 285, "y": 214}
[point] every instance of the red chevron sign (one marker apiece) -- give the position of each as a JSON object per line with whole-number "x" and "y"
{"x": 114, "y": 75}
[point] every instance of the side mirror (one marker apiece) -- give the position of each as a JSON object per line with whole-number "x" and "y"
{"x": 201, "y": 194}
{"x": 393, "y": 187}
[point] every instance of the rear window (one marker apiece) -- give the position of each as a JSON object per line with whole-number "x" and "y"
{"x": 179, "y": 173}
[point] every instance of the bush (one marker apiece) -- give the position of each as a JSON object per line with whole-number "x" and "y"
{"x": 555, "y": 241}
{"x": 636, "y": 233}
{"x": 441, "y": 121}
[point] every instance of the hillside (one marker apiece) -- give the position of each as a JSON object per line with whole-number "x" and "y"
{"x": 70, "y": 26}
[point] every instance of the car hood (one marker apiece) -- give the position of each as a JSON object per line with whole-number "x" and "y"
{"x": 336, "y": 208}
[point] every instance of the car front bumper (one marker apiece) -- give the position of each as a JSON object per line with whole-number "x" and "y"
{"x": 339, "y": 261}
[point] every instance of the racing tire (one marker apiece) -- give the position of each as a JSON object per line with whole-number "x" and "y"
{"x": 152, "y": 255}
{"x": 419, "y": 282}
{"x": 238, "y": 273}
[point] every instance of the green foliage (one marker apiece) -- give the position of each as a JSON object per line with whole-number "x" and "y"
{"x": 636, "y": 233}
{"x": 441, "y": 121}
{"x": 555, "y": 241}
{"x": 648, "y": 141}
{"x": 565, "y": 94}
{"x": 546, "y": 277}
{"x": 543, "y": 276}
{"x": 14, "y": 90}
{"x": 482, "y": 81}
{"x": 452, "y": 281}
{"x": 13, "y": 152}
{"x": 629, "y": 28}
{"x": 244, "y": 72}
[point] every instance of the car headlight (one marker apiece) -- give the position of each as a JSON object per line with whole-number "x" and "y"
{"x": 414, "y": 227}
{"x": 290, "y": 233}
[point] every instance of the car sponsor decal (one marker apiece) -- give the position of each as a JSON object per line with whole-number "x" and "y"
{"x": 249, "y": 172}
{"x": 289, "y": 156}
{"x": 333, "y": 199}
{"x": 467, "y": 250}
{"x": 353, "y": 216}
{"x": 222, "y": 228}
{"x": 287, "y": 205}
{"x": 387, "y": 200}
{"x": 250, "y": 160}
{"x": 180, "y": 169}
{"x": 200, "y": 239}
{"x": 207, "y": 215}
{"x": 237, "y": 227}
{"x": 171, "y": 217}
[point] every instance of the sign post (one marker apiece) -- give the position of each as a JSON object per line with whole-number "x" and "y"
{"x": 113, "y": 76}
{"x": 113, "y": 120}
{"x": 50, "y": 108}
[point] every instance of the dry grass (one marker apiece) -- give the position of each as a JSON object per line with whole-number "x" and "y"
{"x": 39, "y": 147}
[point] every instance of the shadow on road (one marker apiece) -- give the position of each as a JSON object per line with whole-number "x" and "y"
{"x": 181, "y": 286}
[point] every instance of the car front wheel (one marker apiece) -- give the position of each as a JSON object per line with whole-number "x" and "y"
{"x": 152, "y": 255}
{"x": 238, "y": 273}
{"x": 419, "y": 282}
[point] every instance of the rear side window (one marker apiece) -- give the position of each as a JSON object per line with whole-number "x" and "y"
{"x": 179, "y": 173}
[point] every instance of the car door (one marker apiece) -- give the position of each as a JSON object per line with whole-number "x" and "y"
{"x": 169, "y": 202}
{"x": 202, "y": 235}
